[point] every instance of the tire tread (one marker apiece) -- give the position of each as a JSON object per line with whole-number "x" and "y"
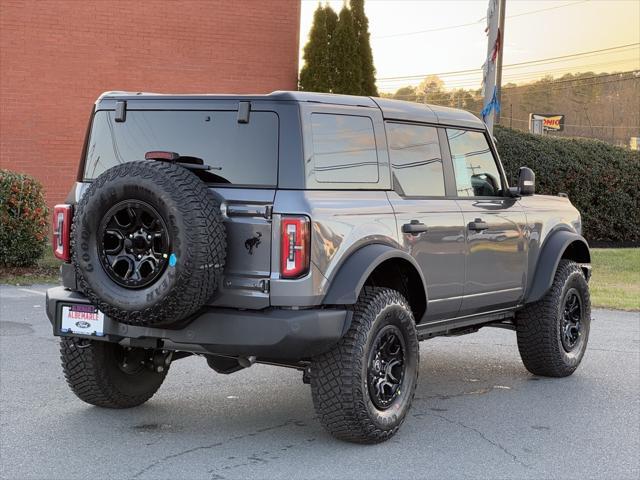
{"x": 84, "y": 367}
{"x": 336, "y": 392}
{"x": 536, "y": 327}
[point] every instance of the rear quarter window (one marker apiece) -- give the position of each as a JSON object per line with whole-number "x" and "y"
{"x": 344, "y": 149}
{"x": 238, "y": 153}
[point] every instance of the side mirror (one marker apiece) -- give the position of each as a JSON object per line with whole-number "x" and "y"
{"x": 526, "y": 181}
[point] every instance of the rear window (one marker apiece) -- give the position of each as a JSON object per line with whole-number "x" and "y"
{"x": 238, "y": 153}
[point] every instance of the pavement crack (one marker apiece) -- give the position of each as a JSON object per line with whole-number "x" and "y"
{"x": 484, "y": 437}
{"x": 172, "y": 456}
{"x": 477, "y": 391}
{"x": 611, "y": 350}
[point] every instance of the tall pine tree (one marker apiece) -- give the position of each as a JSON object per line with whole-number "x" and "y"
{"x": 347, "y": 59}
{"x": 337, "y": 57}
{"x": 368, "y": 71}
{"x": 316, "y": 73}
{"x": 331, "y": 19}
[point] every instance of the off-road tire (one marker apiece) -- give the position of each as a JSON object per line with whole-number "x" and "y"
{"x": 539, "y": 326}
{"x": 92, "y": 372}
{"x": 339, "y": 377}
{"x": 197, "y": 236}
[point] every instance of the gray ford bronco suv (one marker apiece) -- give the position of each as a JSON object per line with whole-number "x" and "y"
{"x": 324, "y": 233}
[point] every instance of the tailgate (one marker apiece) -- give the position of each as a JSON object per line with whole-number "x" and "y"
{"x": 247, "y": 216}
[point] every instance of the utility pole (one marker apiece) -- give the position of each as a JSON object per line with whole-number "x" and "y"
{"x": 503, "y": 4}
{"x": 490, "y": 70}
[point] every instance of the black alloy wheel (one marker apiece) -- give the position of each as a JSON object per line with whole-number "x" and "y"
{"x": 571, "y": 320}
{"x": 386, "y": 367}
{"x": 134, "y": 245}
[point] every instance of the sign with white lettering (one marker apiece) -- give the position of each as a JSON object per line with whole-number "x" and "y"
{"x": 553, "y": 122}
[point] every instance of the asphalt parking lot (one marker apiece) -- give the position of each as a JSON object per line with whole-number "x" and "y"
{"x": 477, "y": 414}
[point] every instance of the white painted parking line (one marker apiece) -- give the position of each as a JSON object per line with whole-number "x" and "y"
{"x": 28, "y": 290}
{"x": 7, "y": 292}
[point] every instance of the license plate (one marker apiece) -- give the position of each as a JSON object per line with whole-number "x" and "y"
{"x": 82, "y": 319}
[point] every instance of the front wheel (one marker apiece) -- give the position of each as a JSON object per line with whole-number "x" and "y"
{"x": 363, "y": 388}
{"x": 108, "y": 375}
{"x": 553, "y": 332}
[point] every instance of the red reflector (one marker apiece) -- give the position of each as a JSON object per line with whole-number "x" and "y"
{"x": 161, "y": 155}
{"x": 294, "y": 251}
{"x": 62, "y": 231}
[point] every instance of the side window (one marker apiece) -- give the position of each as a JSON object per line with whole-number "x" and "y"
{"x": 476, "y": 172}
{"x": 416, "y": 161}
{"x": 344, "y": 149}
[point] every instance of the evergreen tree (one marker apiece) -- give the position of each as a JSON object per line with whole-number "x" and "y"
{"x": 368, "y": 70}
{"x": 347, "y": 59}
{"x": 316, "y": 72}
{"x": 331, "y": 19}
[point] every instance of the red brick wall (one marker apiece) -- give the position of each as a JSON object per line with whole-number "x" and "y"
{"x": 57, "y": 56}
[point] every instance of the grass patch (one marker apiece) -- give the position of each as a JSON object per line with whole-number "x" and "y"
{"x": 46, "y": 270}
{"x": 615, "y": 282}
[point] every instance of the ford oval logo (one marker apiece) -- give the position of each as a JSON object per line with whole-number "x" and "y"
{"x": 82, "y": 324}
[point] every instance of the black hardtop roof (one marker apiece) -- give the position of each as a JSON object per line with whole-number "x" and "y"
{"x": 391, "y": 109}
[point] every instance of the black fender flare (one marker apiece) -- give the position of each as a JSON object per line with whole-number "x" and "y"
{"x": 550, "y": 255}
{"x": 346, "y": 284}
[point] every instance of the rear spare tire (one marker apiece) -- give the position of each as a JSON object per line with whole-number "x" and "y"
{"x": 148, "y": 243}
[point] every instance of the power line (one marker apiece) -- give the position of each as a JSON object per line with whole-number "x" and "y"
{"x": 575, "y": 54}
{"x": 462, "y": 25}
{"x": 531, "y": 62}
{"x": 437, "y": 29}
{"x": 550, "y": 86}
{"x": 475, "y": 81}
{"x": 566, "y": 125}
{"x": 552, "y": 83}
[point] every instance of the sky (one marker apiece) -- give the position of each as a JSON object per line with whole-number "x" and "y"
{"x": 534, "y": 30}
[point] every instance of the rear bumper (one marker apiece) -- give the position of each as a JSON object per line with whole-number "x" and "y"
{"x": 271, "y": 334}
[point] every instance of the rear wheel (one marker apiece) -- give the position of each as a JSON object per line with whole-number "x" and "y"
{"x": 553, "y": 332}
{"x": 108, "y": 375}
{"x": 363, "y": 388}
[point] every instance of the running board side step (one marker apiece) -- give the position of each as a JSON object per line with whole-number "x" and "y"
{"x": 452, "y": 326}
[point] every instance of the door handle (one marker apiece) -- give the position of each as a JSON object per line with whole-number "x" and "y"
{"x": 478, "y": 225}
{"x": 414, "y": 228}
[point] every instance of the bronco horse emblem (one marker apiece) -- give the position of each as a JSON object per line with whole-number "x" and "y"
{"x": 252, "y": 243}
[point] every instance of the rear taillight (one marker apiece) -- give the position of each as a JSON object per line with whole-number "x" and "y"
{"x": 294, "y": 251}
{"x": 62, "y": 231}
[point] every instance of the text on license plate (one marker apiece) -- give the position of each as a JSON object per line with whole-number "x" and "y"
{"x": 82, "y": 319}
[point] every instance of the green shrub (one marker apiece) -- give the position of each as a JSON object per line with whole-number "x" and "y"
{"x": 602, "y": 181}
{"x": 23, "y": 220}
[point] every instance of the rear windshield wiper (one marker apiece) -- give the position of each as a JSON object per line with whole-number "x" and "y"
{"x": 186, "y": 161}
{"x": 194, "y": 164}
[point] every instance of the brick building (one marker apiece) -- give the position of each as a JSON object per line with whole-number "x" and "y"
{"x": 57, "y": 56}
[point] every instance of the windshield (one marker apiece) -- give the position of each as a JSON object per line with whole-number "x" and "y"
{"x": 238, "y": 153}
